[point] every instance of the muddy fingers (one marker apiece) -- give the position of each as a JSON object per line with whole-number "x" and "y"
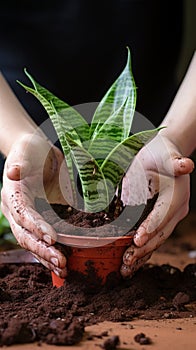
{"x": 129, "y": 270}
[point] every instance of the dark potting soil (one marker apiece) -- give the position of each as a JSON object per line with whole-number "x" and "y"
{"x": 33, "y": 310}
{"x": 122, "y": 221}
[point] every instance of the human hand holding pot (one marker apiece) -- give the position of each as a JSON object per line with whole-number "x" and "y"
{"x": 32, "y": 170}
{"x": 166, "y": 172}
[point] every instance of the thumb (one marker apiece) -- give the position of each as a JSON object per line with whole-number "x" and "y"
{"x": 17, "y": 171}
{"x": 182, "y": 165}
{"x": 16, "y": 166}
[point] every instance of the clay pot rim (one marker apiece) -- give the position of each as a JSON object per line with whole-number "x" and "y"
{"x": 91, "y": 241}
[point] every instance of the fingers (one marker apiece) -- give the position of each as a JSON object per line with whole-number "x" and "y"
{"x": 168, "y": 171}
{"x": 162, "y": 156}
{"x": 15, "y": 165}
{"x": 172, "y": 202}
{"x": 19, "y": 208}
{"x": 49, "y": 256}
{"x": 17, "y": 171}
{"x": 158, "y": 226}
{"x": 29, "y": 154}
{"x": 18, "y": 162}
{"x": 61, "y": 272}
{"x": 129, "y": 270}
{"x": 39, "y": 236}
{"x": 135, "y": 257}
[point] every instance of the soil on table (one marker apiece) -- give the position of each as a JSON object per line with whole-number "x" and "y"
{"x": 33, "y": 310}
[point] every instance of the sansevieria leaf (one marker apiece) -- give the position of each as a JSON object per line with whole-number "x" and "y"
{"x": 74, "y": 121}
{"x": 94, "y": 186}
{"x": 64, "y": 118}
{"x": 103, "y": 151}
{"x": 108, "y": 133}
{"x": 119, "y": 159}
{"x": 121, "y": 93}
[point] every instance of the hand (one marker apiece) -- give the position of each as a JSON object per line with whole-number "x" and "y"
{"x": 32, "y": 170}
{"x": 166, "y": 173}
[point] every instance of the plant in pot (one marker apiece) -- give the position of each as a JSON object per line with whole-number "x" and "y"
{"x": 100, "y": 153}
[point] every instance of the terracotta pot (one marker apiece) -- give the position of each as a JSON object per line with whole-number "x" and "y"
{"x": 94, "y": 256}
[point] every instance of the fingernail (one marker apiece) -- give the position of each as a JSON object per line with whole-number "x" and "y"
{"x": 54, "y": 261}
{"x": 128, "y": 259}
{"x": 45, "y": 228}
{"x": 13, "y": 171}
{"x": 140, "y": 239}
{"x": 47, "y": 239}
{"x": 125, "y": 271}
{"x": 127, "y": 256}
{"x": 56, "y": 272}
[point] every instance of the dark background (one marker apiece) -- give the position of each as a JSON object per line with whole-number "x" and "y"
{"x": 92, "y": 37}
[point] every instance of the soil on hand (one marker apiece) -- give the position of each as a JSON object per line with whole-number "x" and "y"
{"x": 33, "y": 310}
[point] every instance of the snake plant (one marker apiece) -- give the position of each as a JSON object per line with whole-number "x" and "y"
{"x": 103, "y": 150}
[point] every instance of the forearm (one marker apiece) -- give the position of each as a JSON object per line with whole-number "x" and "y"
{"x": 181, "y": 117}
{"x": 14, "y": 120}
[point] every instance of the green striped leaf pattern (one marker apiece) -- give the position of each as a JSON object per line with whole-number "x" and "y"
{"x": 121, "y": 96}
{"x": 61, "y": 127}
{"x": 73, "y": 120}
{"x": 94, "y": 186}
{"x": 112, "y": 129}
{"x": 118, "y": 161}
{"x": 103, "y": 151}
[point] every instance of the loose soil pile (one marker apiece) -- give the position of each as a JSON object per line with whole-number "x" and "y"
{"x": 33, "y": 310}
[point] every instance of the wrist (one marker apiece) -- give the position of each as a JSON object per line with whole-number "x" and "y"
{"x": 182, "y": 136}
{"x": 172, "y": 138}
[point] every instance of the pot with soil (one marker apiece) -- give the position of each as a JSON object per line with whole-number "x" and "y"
{"x": 100, "y": 154}
{"x": 96, "y": 264}
{"x": 92, "y": 250}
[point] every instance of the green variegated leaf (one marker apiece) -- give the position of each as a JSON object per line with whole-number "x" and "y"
{"x": 64, "y": 118}
{"x": 111, "y": 130}
{"x": 109, "y": 134}
{"x": 121, "y": 93}
{"x": 94, "y": 185}
{"x": 73, "y": 120}
{"x": 115, "y": 158}
{"x": 103, "y": 152}
{"x": 101, "y": 148}
{"x": 61, "y": 127}
{"x": 118, "y": 161}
